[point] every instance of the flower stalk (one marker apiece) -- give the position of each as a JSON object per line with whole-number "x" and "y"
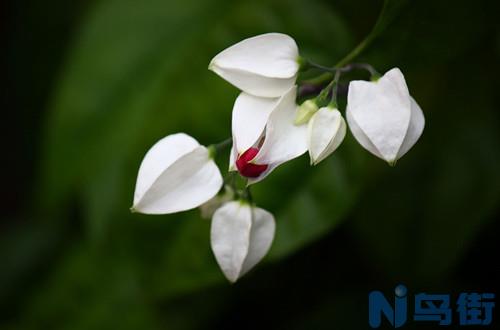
{"x": 379, "y": 27}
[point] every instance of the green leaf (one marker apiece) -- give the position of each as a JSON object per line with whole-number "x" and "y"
{"x": 114, "y": 96}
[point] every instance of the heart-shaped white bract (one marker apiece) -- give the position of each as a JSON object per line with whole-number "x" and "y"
{"x": 326, "y": 131}
{"x": 272, "y": 119}
{"x": 383, "y": 117}
{"x": 241, "y": 236}
{"x": 177, "y": 174}
{"x": 249, "y": 119}
{"x": 265, "y": 65}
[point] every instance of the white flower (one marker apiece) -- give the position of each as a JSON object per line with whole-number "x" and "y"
{"x": 383, "y": 117}
{"x": 265, "y": 65}
{"x": 264, "y": 134}
{"x": 241, "y": 235}
{"x": 177, "y": 174}
{"x": 326, "y": 132}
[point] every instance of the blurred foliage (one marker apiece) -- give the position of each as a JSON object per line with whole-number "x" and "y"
{"x": 111, "y": 77}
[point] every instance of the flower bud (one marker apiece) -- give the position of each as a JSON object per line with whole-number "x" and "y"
{"x": 177, "y": 174}
{"x": 305, "y": 111}
{"x": 326, "y": 131}
{"x": 383, "y": 117}
{"x": 248, "y": 169}
{"x": 241, "y": 234}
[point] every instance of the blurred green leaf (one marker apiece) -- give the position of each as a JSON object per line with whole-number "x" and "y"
{"x": 320, "y": 204}
{"x": 89, "y": 291}
{"x": 137, "y": 71}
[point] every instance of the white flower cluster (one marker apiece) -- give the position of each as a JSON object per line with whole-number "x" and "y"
{"x": 268, "y": 129}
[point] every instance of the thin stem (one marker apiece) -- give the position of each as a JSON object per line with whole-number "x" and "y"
{"x": 345, "y": 68}
{"x": 336, "y": 79}
{"x": 321, "y": 67}
{"x": 222, "y": 145}
{"x": 376, "y": 30}
{"x": 213, "y": 149}
{"x": 248, "y": 195}
{"x": 363, "y": 66}
{"x": 333, "y": 85}
{"x": 325, "y": 91}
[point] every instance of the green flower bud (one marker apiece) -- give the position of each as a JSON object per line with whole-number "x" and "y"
{"x": 305, "y": 112}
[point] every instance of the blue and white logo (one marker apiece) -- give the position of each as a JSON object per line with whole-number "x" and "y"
{"x": 472, "y": 308}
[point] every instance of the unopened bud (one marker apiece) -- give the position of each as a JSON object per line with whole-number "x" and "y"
{"x": 305, "y": 112}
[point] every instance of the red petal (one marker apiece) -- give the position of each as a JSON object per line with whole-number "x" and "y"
{"x": 247, "y": 169}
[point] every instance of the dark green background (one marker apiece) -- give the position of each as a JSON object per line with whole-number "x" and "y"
{"x": 91, "y": 85}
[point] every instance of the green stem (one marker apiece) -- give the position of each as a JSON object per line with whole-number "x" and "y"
{"x": 376, "y": 30}
{"x": 321, "y": 67}
{"x": 379, "y": 26}
{"x": 325, "y": 91}
{"x": 222, "y": 145}
{"x": 248, "y": 195}
{"x": 213, "y": 149}
{"x": 336, "y": 79}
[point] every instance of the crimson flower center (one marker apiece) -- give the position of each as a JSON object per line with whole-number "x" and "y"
{"x": 247, "y": 169}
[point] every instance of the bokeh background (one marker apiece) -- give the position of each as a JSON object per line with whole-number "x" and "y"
{"x": 92, "y": 84}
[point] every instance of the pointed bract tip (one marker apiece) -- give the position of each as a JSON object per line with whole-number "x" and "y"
{"x": 211, "y": 65}
{"x": 133, "y": 210}
{"x": 312, "y": 162}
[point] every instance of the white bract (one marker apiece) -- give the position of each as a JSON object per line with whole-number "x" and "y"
{"x": 177, "y": 174}
{"x": 249, "y": 119}
{"x": 241, "y": 236}
{"x": 383, "y": 117}
{"x": 255, "y": 118}
{"x": 265, "y": 65}
{"x": 326, "y": 131}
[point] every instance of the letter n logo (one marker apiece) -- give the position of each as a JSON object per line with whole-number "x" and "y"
{"x": 378, "y": 305}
